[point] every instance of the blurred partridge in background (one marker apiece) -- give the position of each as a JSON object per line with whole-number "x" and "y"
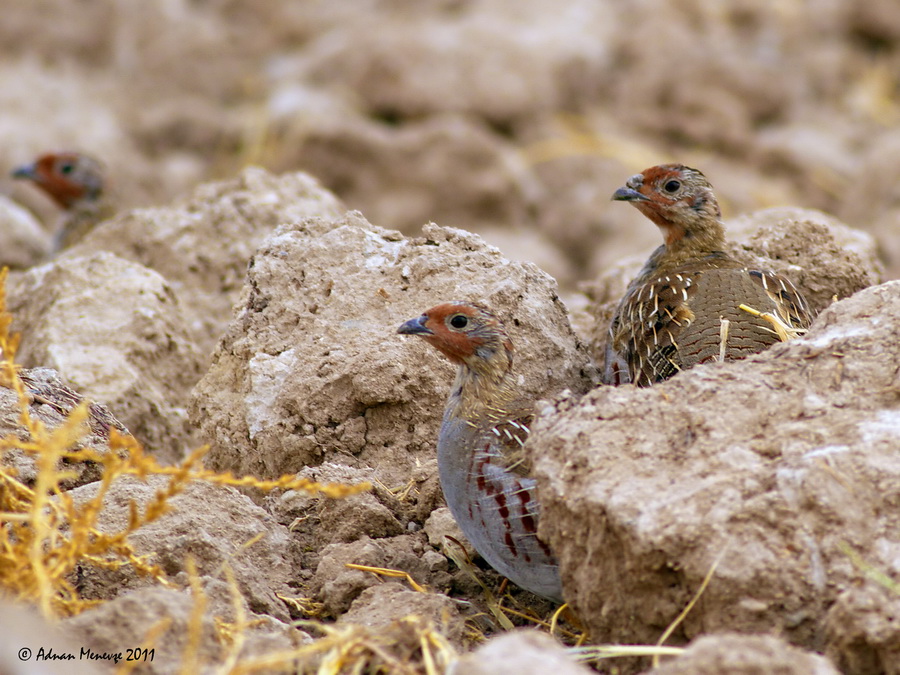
{"x": 692, "y": 303}
{"x": 481, "y": 464}
{"x": 75, "y": 182}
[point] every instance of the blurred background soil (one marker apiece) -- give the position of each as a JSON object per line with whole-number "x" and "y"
{"x": 516, "y": 119}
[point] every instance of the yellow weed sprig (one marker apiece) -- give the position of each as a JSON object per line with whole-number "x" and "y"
{"x": 45, "y": 535}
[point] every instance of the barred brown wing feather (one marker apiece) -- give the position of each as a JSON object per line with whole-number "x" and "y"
{"x": 508, "y": 436}
{"x": 651, "y": 322}
{"x": 502, "y": 515}
{"x": 789, "y": 303}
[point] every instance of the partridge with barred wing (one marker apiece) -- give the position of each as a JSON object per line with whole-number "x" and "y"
{"x": 76, "y": 183}
{"x": 481, "y": 465}
{"x": 693, "y": 303}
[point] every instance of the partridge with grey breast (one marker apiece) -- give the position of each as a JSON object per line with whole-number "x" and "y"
{"x": 481, "y": 465}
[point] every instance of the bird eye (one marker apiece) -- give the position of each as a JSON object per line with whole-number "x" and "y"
{"x": 459, "y": 321}
{"x": 672, "y": 186}
{"x": 66, "y": 168}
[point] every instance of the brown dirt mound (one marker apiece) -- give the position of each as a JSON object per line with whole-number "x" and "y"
{"x": 777, "y": 471}
{"x": 311, "y": 367}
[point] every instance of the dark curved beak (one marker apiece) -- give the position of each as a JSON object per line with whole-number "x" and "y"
{"x": 24, "y": 171}
{"x": 626, "y": 194}
{"x": 415, "y": 327}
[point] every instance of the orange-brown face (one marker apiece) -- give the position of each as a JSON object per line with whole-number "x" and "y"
{"x": 66, "y": 177}
{"x": 462, "y": 332}
{"x": 677, "y": 198}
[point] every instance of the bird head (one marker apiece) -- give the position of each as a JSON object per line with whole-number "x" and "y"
{"x": 679, "y": 200}
{"x": 465, "y": 333}
{"x": 69, "y": 178}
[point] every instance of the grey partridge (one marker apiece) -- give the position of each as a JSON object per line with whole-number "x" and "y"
{"x": 76, "y": 183}
{"x": 480, "y": 460}
{"x": 692, "y": 303}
